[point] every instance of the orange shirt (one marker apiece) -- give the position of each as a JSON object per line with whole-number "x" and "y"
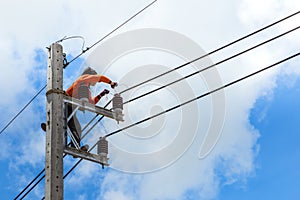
{"x": 86, "y": 79}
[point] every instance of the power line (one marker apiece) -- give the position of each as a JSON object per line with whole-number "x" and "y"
{"x": 129, "y": 19}
{"x": 76, "y": 164}
{"x": 212, "y": 52}
{"x": 227, "y": 45}
{"x": 213, "y": 65}
{"x": 199, "y": 71}
{"x": 32, "y": 187}
{"x": 84, "y": 51}
{"x": 43, "y": 170}
{"x": 203, "y": 95}
{"x": 191, "y": 75}
{"x": 30, "y": 184}
{"x": 187, "y": 102}
{"x": 73, "y": 37}
{"x": 205, "y": 55}
{"x": 17, "y": 115}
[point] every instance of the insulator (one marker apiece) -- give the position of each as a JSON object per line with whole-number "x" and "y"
{"x": 103, "y": 151}
{"x": 102, "y": 146}
{"x": 117, "y": 102}
{"x": 83, "y": 92}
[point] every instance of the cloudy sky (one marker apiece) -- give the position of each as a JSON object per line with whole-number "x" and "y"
{"x": 256, "y": 155}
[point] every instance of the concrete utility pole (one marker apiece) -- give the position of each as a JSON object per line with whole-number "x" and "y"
{"x": 54, "y": 138}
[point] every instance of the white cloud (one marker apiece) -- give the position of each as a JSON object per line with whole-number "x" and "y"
{"x": 84, "y": 172}
{"x": 257, "y": 12}
{"x": 234, "y": 155}
{"x": 111, "y": 195}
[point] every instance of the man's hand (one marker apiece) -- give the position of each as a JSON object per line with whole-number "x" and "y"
{"x": 104, "y": 92}
{"x": 113, "y": 85}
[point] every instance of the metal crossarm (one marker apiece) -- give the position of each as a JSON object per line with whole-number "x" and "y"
{"x": 101, "y": 157}
{"x": 89, "y": 107}
{"x": 86, "y": 155}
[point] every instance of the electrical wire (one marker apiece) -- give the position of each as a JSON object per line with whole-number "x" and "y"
{"x": 213, "y": 65}
{"x": 17, "y": 115}
{"x": 29, "y": 184}
{"x": 214, "y": 51}
{"x": 180, "y": 105}
{"x": 118, "y": 27}
{"x": 227, "y": 45}
{"x": 83, "y": 51}
{"x": 210, "y": 53}
{"x": 66, "y": 64}
{"x": 80, "y": 160}
{"x": 203, "y": 95}
{"x": 73, "y": 37}
{"x": 185, "y": 103}
{"x": 32, "y": 187}
{"x": 199, "y": 71}
{"x": 43, "y": 170}
{"x": 28, "y": 191}
{"x": 76, "y": 164}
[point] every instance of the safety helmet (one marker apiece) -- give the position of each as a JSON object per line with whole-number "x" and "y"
{"x": 89, "y": 70}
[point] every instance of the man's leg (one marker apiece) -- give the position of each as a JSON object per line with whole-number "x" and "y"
{"x": 74, "y": 126}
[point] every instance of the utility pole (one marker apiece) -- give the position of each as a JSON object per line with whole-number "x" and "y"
{"x": 57, "y": 129}
{"x": 54, "y": 137}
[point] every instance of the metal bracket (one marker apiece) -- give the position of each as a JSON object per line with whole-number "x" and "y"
{"x": 86, "y": 155}
{"x": 73, "y": 113}
{"x": 89, "y": 107}
{"x": 73, "y": 138}
{"x": 118, "y": 116}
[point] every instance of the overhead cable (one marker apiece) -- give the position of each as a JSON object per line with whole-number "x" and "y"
{"x": 108, "y": 34}
{"x": 66, "y": 64}
{"x": 43, "y": 170}
{"x": 227, "y": 45}
{"x": 73, "y": 37}
{"x": 17, "y": 115}
{"x": 212, "y": 52}
{"x": 203, "y": 95}
{"x": 205, "y": 55}
{"x": 213, "y": 65}
{"x": 198, "y": 97}
{"x": 187, "y": 102}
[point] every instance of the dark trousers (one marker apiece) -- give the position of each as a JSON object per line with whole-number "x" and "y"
{"x": 74, "y": 125}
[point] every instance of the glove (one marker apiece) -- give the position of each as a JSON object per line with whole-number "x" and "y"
{"x": 103, "y": 93}
{"x": 113, "y": 85}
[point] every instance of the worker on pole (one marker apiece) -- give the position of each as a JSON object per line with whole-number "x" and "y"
{"x": 88, "y": 78}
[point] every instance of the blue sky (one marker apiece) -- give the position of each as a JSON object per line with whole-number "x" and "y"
{"x": 257, "y": 154}
{"x": 277, "y": 175}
